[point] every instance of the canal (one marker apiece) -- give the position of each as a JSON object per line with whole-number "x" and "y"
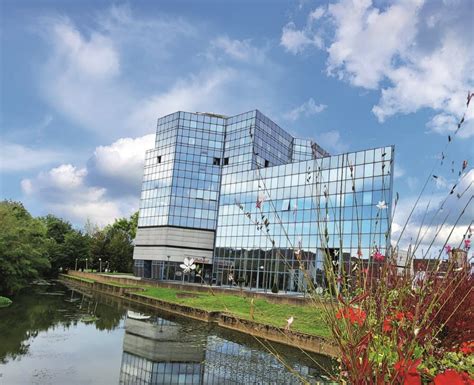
{"x": 55, "y": 335}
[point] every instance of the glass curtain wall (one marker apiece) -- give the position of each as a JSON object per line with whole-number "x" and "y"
{"x": 258, "y": 245}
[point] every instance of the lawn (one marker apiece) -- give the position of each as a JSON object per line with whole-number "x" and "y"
{"x": 307, "y": 319}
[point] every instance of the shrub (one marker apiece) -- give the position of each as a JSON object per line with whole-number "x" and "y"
{"x": 275, "y": 288}
{"x": 4, "y": 301}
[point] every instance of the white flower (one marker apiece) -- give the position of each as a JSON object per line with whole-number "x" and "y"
{"x": 188, "y": 265}
{"x": 381, "y": 205}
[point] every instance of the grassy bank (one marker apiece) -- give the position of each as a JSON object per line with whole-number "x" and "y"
{"x": 307, "y": 319}
{"x": 4, "y": 301}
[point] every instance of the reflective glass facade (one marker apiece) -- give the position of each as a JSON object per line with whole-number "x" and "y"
{"x": 205, "y": 176}
{"x": 259, "y": 244}
{"x": 164, "y": 352}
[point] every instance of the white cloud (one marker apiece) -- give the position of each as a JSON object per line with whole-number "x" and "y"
{"x": 316, "y": 14}
{"x": 367, "y": 39}
{"x": 241, "y": 50}
{"x": 438, "y": 80}
{"x": 98, "y": 96}
{"x": 331, "y": 141}
{"x": 308, "y": 108}
{"x": 107, "y": 188}
{"x": 194, "y": 93}
{"x": 419, "y": 54}
{"x": 296, "y": 41}
{"x": 96, "y": 57}
{"x": 63, "y": 191}
{"x": 17, "y": 157}
{"x": 119, "y": 166}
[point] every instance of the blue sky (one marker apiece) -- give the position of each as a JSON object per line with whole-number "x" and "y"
{"x": 84, "y": 82}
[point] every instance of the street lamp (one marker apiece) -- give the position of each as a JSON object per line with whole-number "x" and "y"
{"x": 76, "y": 265}
{"x": 100, "y": 265}
{"x": 168, "y": 269}
{"x": 86, "y": 264}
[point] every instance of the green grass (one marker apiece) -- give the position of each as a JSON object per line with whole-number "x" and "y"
{"x": 80, "y": 278}
{"x": 308, "y": 318}
{"x": 4, "y": 301}
{"x": 118, "y": 284}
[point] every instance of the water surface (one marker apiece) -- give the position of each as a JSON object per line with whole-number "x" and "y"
{"x": 56, "y": 335}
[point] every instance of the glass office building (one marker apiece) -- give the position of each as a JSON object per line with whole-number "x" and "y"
{"x": 249, "y": 202}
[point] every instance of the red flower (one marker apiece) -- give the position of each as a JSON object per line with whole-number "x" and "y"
{"x": 378, "y": 256}
{"x": 467, "y": 243}
{"x": 467, "y": 347}
{"x": 407, "y": 371}
{"x": 353, "y": 314}
{"x": 400, "y": 316}
{"x": 387, "y": 325}
{"x": 451, "y": 377}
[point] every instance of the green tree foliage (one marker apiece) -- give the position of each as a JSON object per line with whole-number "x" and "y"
{"x": 65, "y": 244}
{"x": 34, "y": 247}
{"x": 114, "y": 244}
{"x": 23, "y": 247}
{"x": 56, "y": 228}
{"x": 76, "y": 246}
{"x": 121, "y": 251}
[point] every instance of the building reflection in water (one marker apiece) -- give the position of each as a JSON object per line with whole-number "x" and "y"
{"x": 168, "y": 353}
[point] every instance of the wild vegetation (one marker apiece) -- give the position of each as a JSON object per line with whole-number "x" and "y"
{"x": 33, "y": 248}
{"x": 4, "y": 301}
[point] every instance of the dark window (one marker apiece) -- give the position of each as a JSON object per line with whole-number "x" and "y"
{"x": 158, "y": 158}
{"x": 267, "y": 163}
{"x": 216, "y": 162}
{"x": 226, "y": 161}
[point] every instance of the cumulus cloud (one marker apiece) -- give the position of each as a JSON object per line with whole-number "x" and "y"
{"x": 366, "y": 39}
{"x": 107, "y": 188}
{"x": 296, "y": 41}
{"x": 418, "y": 54}
{"x": 308, "y": 108}
{"x": 16, "y": 157}
{"x": 63, "y": 191}
{"x": 119, "y": 166}
{"x": 331, "y": 140}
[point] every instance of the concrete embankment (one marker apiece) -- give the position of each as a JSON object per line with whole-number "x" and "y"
{"x": 128, "y": 288}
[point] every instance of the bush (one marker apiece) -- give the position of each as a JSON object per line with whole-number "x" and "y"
{"x": 275, "y": 288}
{"x": 4, "y": 301}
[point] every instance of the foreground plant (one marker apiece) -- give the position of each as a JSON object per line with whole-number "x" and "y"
{"x": 407, "y": 324}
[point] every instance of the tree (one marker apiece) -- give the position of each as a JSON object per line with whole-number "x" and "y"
{"x": 76, "y": 246}
{"x": 23, "y": 247}
{"x": 120, "y": 249}
{"x": 56, "y": 228}
{"x": 56, "y": 231}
